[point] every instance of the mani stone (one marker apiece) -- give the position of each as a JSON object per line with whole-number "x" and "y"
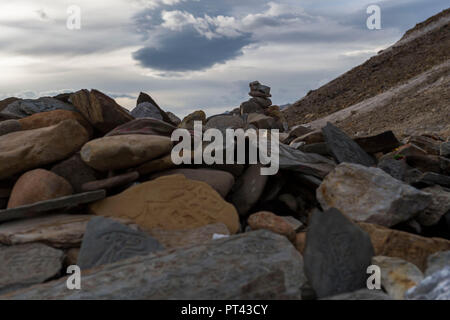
{"x": 29, "y": 149}
{"x": 343, "y": 148}
{"x": 170, "y": 203}
{"x": 106, "y": 241}
{"x": 254, "y": 265}
{"x": 397, "y": 275}
{"x": 120, "y": 152}
{"x": 337, "y": 254}
{"x": 434, "y": 287}
{"x": 370, "y": 195}
{"x": 28, "y": 264}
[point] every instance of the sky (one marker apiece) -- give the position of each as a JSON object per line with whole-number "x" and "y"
{"x": 192, "y": 54}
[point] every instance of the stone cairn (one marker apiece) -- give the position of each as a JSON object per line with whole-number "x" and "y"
{"x": 85, "y": 182}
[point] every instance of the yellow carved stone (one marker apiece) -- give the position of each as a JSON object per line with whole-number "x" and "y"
{"x": 170, "y": 203}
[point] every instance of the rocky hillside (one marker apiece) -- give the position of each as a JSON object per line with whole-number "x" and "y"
{"x": 422, "y": 103}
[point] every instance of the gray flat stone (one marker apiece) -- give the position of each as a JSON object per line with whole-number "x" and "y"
{"x": 337, "y": 254}
{"x": 254, "y": 265}
{"x": 106, "y": 241}
{"x": 345, "y": 149}
{"x": 28, "y": 264}
{"x": 41, "y": 207}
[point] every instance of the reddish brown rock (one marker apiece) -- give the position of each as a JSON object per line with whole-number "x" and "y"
{"x": 100, "y": 110}
{"x": 407, "y": 246}
{"x": 38, "y": 185}
{"x": 29, "y": 149}
{"x": 300, "y": 242}
{"x": 50, "y": 118}
{"x": 269, "y": 221}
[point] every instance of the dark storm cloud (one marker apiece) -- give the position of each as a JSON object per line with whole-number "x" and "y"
{"x": 188, "y": 50}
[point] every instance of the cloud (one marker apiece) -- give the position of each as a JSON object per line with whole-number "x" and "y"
{"x": 189, "y": 50}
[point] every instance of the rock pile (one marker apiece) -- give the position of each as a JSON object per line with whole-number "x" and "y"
{"x": 83, "y": 181}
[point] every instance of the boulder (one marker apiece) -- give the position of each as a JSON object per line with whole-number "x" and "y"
{"x": 343, "y": 148}
{"x": 248, "y": 189}
{"x": 75, "y": 171}
{"x": 125, "y": 151}
{"x": 170, "y": 203}
{"x": 269, "y": 221}
{"x": 438, "y": 207}
{"x": 250, "y": 106}
{"x": 337, "y": 254}
{"x": 5, "y": 102}
{"x": 173, "y": 118}
{"x": 430, "y": 145}
{"x": 156, "y": 165}
{"x": 27, "y": 107}
{"x": 143, "y": 126}
{"x": 223, "y": 122}
{"x": 107, "y": 241}
{"x": 397, "y": 275}
{"x": 383, "y": 142}
{"x": 404, "y": 245}
{"x": 24, "y": 150}
{"x": 395, "y": 168}
{"x": 100, "y": 110}
{"x": 370, "y": 195}
{"x": 259, "y": 90}
{"x": 146, "y": 110}
{"x": 50, "y": 118}
{"x": 255, "y": 265}
{"x": 307, "y": 163}
{"x": 219, "y": 180}
{"x": 28, "y": 264}
{"x": 38, "y": 185}
{"x": 145, "y": 98}
{"x": 188, "y": 121}
{"x": 434, "y": 287}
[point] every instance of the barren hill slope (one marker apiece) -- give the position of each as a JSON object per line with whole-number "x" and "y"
{"x": 398, "y": 76}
